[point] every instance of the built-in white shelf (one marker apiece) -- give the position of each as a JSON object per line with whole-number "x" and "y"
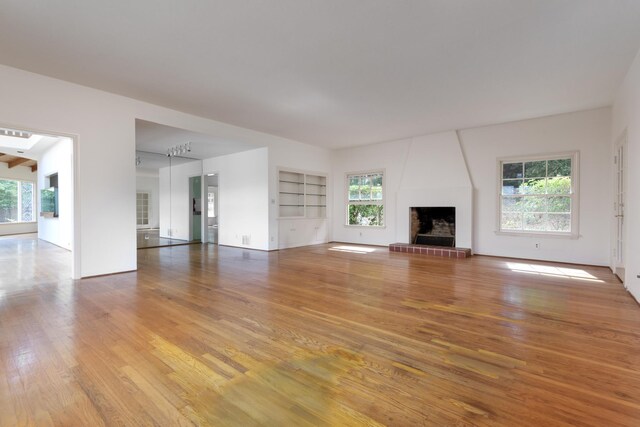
{"x": 302, "y": 195}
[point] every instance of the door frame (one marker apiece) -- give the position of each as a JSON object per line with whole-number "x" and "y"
{"x": 205, "y": 191}
{"x": 190, "y": 235}
{"x": 76, "y": 271}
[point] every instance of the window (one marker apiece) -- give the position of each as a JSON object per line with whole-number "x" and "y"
{"x": 538, "y": 195}
{"x": 142, "y": 208}
{"x": 16, "y": 201}
{"x": 365, "y": 199}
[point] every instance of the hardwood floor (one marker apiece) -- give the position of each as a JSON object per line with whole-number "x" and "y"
{"x": 202, "y": 335}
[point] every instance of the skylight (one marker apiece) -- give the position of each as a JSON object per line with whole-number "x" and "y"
{"x": 18, "y": 142}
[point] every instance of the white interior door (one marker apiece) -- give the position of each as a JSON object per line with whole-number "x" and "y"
{"x": 619, "y": 205}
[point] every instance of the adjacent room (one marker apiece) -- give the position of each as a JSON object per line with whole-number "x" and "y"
{"x": 332, "y": 213}
{"x": 36, "y": 207}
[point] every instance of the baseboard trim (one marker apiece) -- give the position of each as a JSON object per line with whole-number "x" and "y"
{"x": 248, "y": 249}
{"x": 107, "y": 274}
{"x": 170, "y": 246}
{"x": 18, "y": 234}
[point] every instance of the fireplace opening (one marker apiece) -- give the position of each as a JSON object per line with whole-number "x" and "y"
{"x": 434, "y": 226}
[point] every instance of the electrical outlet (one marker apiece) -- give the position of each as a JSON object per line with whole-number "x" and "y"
{"x": 537, "y": 245}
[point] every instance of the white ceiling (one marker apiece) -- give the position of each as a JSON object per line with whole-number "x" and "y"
{"x": 11, "y": 145}
{"x": 157, "y": 138}
{"x": 335, "y": 72}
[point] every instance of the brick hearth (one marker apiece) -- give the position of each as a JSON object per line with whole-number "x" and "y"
{"x": 430, "y": 250}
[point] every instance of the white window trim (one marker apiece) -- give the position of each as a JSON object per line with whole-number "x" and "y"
{"x": 366, "y": 202}
{"x": 575, "y": 195}
{"x": 35, "y": 202}
{"x": 148, "y": 193}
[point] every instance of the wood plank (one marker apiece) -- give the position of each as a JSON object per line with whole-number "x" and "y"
{"x": 17, "y": 162}
{"x": 206, "y": 335}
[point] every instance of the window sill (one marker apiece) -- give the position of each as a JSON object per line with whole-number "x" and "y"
{"x": 570, "y": 236}
{"x": 374, "y": 227}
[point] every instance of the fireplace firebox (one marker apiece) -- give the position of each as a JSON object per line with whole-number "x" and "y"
{"x": 433, "y": 226}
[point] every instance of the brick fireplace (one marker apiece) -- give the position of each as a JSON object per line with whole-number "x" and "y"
{"x": 432, "y": 231}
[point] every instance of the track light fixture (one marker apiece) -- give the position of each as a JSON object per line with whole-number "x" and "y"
{"x": 179, "y": 150}
{"x": 15, "y": 133}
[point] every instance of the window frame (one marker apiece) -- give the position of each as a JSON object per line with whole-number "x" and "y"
{"x": 34, "y": 212}
{"x": 574, "y": 195}
{"x": 381, "y": 202}
{"x": 148, "y": 193}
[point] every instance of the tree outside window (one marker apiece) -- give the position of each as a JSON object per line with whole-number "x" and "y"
{"x": 537, "y": 195}
{"x": 365, "y": 205}
{"x": 16, "y": 201}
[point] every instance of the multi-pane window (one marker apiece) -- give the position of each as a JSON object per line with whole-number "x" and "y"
{"x": 537, "y": 195}
{"x": 142, "y": 208}
{"x": 365, "y": 201}
{"x": 16, "y": 201}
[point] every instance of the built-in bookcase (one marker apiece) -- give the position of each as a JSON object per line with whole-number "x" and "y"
{"x": 291, "y": 196}
{"x": 315, "y": 196}
{"x": 302, "y": 195}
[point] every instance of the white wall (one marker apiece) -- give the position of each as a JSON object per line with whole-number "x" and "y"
{"x": 103, "y": 126}
{"x": 432, "y": 170}
{"x": 390, "y": 157}
{"x": 22, "y": 173}
{"x": 422, "y": 171}
{"x": 586, "y": 132}
{"x": 435, "y": 174}
{"x": 175, "y": 199}
{"x": 626, "y": 116}
{"x": 297, "y": 157}
{"x": 244, "y": 197}
{"x": 58, "y": 159}
{"x": 147, "y": 182}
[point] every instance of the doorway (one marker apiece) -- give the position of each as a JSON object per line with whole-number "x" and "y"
{"x": 195, "y": 195}
{"x": 212, "y": 211}
{"x": 38, "y": 208}
{"x": 620, "y": 163}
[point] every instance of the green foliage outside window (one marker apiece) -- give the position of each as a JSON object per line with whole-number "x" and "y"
{"x": 16, "y": 201}
{"x": 8, "y": 201}
{"x": 365, "y": 205}
{"x": 49, "y": 200}
{"x": 372, "y": 215}
{"x": 536, "y": 196}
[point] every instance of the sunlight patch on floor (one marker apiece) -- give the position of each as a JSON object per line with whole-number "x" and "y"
{"x": 548, "y": 270}
{"x": 353, "y": 249}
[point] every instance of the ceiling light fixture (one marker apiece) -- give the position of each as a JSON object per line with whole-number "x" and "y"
{"x": 179, "y": 150}
{"x": 15, "y": 133}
